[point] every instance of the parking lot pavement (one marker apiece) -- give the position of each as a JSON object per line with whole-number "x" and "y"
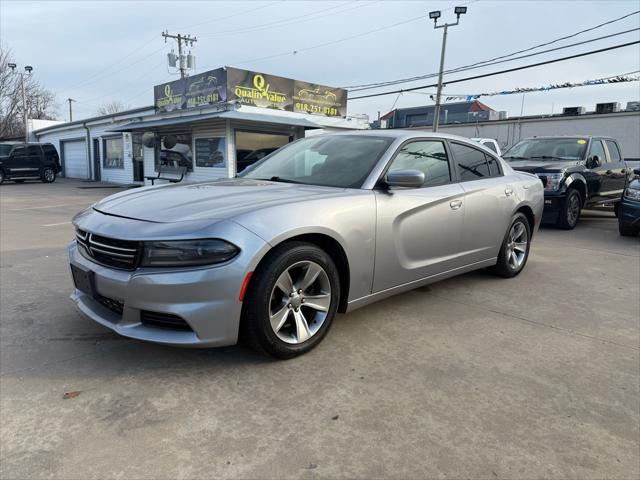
{"x": 475, "y": 377}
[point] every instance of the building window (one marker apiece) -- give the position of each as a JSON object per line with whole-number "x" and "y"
{"x": 210, "y": 152}
{"x": 113, "y": 153}
{"x": 175, "y": 151}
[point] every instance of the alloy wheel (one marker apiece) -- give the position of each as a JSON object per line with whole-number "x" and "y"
{"x": 517, "y": 245}
{"x": 573, "y": 210}
{"x": 49, "y": 176}
{"x": 299, "y": 302}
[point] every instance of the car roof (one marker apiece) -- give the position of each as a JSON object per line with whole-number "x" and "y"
{"x": 402, "y": 134}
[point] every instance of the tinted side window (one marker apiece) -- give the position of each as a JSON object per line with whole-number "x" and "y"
{"x": 430, "y": 157}
{"x": 471, "y": 164}
{"x": 33, "y": 151}
{"x": 19, "y": 151}
{"x": 50, "y": 152}
{"x": 598, "y": 149}
{"x": 614, "y": 151}
{"x": 494, "y": 166}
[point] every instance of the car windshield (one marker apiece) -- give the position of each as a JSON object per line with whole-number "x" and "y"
{"x": 548, "y": 149}
{"x": 5, "y": 149}
{"x": 343, "y": 161}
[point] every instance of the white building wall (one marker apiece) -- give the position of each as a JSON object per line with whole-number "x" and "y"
{"x": 623, "y": 126}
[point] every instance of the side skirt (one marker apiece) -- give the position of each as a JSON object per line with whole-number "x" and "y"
{"x": 405, "y": 287}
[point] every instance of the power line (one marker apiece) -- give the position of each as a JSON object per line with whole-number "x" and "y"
{"x": 238, "y": 14}
{"x": 523, "y": 67}
{"x": 402, "y": 80}
{"x": 288, "y": 21}
{"x": 340, "y": 40}
{"x": 472, "y": 67}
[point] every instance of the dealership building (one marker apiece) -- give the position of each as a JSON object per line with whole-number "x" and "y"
{"x": 210, "y": 125}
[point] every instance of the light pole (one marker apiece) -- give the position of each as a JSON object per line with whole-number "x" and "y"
{"x": 28, "y": 69}
{"x": 434, "y": 16}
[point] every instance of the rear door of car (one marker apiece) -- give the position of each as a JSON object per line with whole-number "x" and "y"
{"x": 34, "y": 158}
{"x": 488, "y": 202}
{"x": 616, "y": 173}
{"x": 418, "y": 230}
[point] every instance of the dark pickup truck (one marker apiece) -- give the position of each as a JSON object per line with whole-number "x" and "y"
{"x": 577, "y": 172}
{"x": 29, "y": 161}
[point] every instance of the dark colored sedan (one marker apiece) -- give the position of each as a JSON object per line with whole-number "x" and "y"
{"x": 629, "y": 212}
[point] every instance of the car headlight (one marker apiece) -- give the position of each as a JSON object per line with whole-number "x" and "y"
{"x": 177, "y": 253}
{"x": 551, "y": 181}
{"x": 632, "y": 194}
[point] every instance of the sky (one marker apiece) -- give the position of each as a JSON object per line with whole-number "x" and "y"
{"x": 100, "y": 51}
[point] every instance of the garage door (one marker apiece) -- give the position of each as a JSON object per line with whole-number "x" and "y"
{"x": 76, "y": 164}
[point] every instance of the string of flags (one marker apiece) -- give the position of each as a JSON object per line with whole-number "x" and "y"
{"x": 627, "y": 77}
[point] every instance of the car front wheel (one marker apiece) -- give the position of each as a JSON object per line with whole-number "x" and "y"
{"x": 515, "y": 248}
{"x": 48, "y": 175}
{"x": 291, "y": 300}
{"x": 570, "y": 211}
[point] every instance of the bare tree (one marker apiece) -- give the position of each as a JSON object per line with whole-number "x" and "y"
{"x": 40, "y": 101}
{"x": 112, "y": 107}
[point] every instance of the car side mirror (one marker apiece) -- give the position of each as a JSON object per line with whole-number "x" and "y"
{"x": 593, "y": 162}
{"x": 636, "y": 171}
{"x": 405, "y": 178}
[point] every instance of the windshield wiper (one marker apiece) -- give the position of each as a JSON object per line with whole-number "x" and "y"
{"x": 548, "y": 157}
{"x": 278, "y": 179}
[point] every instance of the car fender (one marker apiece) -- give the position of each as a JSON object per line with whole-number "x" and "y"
{"x": 576, "y": 177}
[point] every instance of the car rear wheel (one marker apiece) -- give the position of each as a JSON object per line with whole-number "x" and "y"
{"x": 48, "y": 175}
{"x": 570, "y": 211}
{"x": 291, "y": 301}
{"x": 2, "y": 177}
{"x": 515, "y": 248}
{"x": 626, "y": 230}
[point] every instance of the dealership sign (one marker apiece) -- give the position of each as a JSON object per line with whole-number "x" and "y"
{"x": 250, "y": 88}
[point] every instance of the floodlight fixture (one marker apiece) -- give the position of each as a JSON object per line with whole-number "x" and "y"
{"x": 12, "y": 66}
{"x": 460, "y": 11}
{"x": 28, "y": 68}
{"x": 435, "y": 15}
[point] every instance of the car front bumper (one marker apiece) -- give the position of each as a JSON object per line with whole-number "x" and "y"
{"x": 203, "y": 300}
{"x": 553, "y": 203}
{"x": 629, "y": 213}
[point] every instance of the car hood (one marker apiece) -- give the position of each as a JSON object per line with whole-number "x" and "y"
{"x": 533, "y": 166}
{"x": 634, "y": 184}
{"x": 220, "y": 199}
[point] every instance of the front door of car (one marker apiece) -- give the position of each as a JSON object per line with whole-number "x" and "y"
{"x": 418, "y": 229}
{"x": 489, "y": 202}
{"x": 596, "y": 174}
{"x": 616, "y": 173}
{"x": 16, "y": 164}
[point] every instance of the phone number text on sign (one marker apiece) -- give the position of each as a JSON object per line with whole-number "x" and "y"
{"x": 311, "y": 108}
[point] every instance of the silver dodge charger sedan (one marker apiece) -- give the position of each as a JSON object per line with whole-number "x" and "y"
{"x": 325, "y": 224}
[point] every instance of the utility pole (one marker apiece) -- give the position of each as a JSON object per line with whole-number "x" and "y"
{"x": 186, "y": 39}
{"x": 434, "y": 16}
{"x": 70, "y": 110}
{"x": 25, "y": 114}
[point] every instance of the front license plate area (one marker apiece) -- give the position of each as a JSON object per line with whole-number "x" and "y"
{"x": 83, "y": 280}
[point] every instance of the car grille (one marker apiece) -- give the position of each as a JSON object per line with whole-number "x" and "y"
{"x": 163, "y": 320}
{"x": 122, "y": 254}
{"x": 114, "y": 305}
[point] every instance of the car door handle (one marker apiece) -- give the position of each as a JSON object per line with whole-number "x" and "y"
{"x": 508, "y": 191}
{"x": 455, "y": 204}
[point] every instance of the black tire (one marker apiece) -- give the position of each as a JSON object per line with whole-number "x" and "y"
{"x": 504, "y": 267}
{"x": 568, "y": 217}
{"x": 48, "y": 175}
{"x": 626, "y": 230}
{"x": 256, "y": 329}
{"x": 2, "y": 177}
{"x": 616, "y": 209}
